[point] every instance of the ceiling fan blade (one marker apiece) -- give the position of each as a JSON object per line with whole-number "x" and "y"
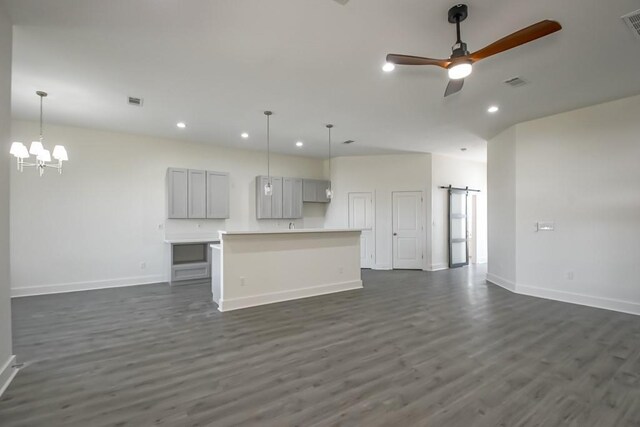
{"x": 526, "y": 35}
{"x": 416, "y": 60}
{"x": 454, "y": 86}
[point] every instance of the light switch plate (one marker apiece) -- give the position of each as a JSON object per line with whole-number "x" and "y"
{"x": 546, "y": 226}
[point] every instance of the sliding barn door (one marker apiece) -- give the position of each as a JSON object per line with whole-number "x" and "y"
{"x": 458, "y": 228}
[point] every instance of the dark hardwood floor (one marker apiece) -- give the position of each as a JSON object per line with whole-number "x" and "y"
{"x": 410, "y": 349}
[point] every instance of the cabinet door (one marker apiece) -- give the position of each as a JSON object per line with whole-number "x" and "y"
{"x": 287, "y": 197}
{"x": 321, "y": 191}
{"x": 197, "y": 194}
{"x": 276, "y": 202}
{"x": 263, "y": 203}
{"x": 217, "y": 195}
{"x": 309, "y": 190}
{"x": 296, "y": 198}
{"x": 177, "y": 195}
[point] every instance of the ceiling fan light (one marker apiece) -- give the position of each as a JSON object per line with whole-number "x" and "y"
{"x": 388, "y": 67}
{"x": 460, "y": 70}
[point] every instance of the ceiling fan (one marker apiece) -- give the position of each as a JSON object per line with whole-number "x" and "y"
{"x": 460, "y": 63}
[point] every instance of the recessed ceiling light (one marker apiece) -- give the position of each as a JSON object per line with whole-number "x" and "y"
{"x": 388, "y": 67}
{"x": 299, "y": 144}
{"x": 493, "y": 109}
{"x": 244, "y": 135}
{"x": 181, "y": 125}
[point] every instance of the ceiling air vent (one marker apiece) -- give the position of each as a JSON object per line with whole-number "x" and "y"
{"x": 135, "y": 101}
{"x": 516, "y": 82}
{"x": 633, "y": 22}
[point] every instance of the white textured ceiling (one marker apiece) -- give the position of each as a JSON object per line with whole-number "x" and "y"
{"x": 218, "y": 64}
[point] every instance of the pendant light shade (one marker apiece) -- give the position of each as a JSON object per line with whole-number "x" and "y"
{"x": 268, "y": 188}
{"x": 328, "y": 191}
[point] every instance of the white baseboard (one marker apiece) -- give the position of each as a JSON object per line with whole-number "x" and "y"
{"x": 85, "y": 286}
{"x": 7, "y": 374}
{"x": 568, "y": 297}
{"x": 580, "y": 299}
{"x": 382, "y": 267}
{"x": 270, "y": 298}
{"x": 437, "y": 267}
{"x": 502, "y": 282}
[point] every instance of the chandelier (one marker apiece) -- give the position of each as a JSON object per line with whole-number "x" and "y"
{"x": 43, "y": 156}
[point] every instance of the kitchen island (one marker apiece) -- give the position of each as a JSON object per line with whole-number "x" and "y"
{"x": 251, "y": 268}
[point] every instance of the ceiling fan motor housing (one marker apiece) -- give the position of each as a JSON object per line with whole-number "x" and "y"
{"x": 458, "y": 13}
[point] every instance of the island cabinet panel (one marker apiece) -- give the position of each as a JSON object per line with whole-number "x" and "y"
{"x": 314, "y": 190}
{"x": 197, "y": 194}
{"x": 177, "y": 183}
{"x": 217, "y": 195}
{"x": 292, "y": 198}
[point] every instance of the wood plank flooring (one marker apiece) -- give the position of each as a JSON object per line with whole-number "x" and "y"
{"x": 410, "y": 349}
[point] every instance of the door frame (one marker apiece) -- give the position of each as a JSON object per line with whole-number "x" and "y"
{"x": 373, "y": 222}
{"x": 423, "y": 237}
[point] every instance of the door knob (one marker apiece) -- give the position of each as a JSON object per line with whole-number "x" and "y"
{"x": 395, "y": 234}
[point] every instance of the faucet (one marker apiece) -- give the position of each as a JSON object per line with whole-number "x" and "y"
{"x": 292, "y": 226}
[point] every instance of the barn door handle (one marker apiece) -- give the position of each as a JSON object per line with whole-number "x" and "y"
{"x": 395, "y": 234}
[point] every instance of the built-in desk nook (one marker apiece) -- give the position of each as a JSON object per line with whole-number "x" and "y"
{"x": 189, "y": 260}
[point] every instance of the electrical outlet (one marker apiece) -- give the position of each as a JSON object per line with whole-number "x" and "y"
{"x": 160, "y": 226}
{"x": 341, "y": 270}
{"x": 242, "y": 281}
{"x": 569, "y": 275}
{"x": 143, "y": 265}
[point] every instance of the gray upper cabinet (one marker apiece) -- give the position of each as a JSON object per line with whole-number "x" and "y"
{"x": 197, "y": 194}
{"x": 217, "y": 195}
{"x": 284, "y": 203}
{"x": 177, "y": 184}
{"x": 276, "y": 202}
{"x": 292, "y": 198}
{"x": 314, "y": 190}
{"x": 263, "y": 203}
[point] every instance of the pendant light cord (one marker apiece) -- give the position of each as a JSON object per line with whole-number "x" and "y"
{"x": 41, "y": 114}
{"x": 329, "y": 126}
{"x": 268, "y": 114}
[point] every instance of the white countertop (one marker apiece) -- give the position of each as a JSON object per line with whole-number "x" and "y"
{"x": 287, "y": 231}
{"x": 193, "y": 240}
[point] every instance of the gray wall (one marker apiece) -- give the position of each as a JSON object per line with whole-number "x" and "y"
{"x": 5, "y": 132}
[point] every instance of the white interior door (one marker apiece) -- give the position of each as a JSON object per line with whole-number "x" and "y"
{"x": 361, "y": 216}
{"x": 407, "y": 229}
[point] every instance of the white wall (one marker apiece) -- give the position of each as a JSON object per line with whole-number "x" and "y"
{"x": 6, "y": 351}
{"x": 380, "y": 175}
{"x": 457, "y": 173}
{"x": 580, "y": 170}
{"x": 501, "y": 208}
{"x": 95, "y": 224}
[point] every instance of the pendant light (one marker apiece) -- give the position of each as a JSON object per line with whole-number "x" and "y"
{"x": 43, "y": 156}
{"x": 268, "y": 188}
{"x": 328, "y": 190}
